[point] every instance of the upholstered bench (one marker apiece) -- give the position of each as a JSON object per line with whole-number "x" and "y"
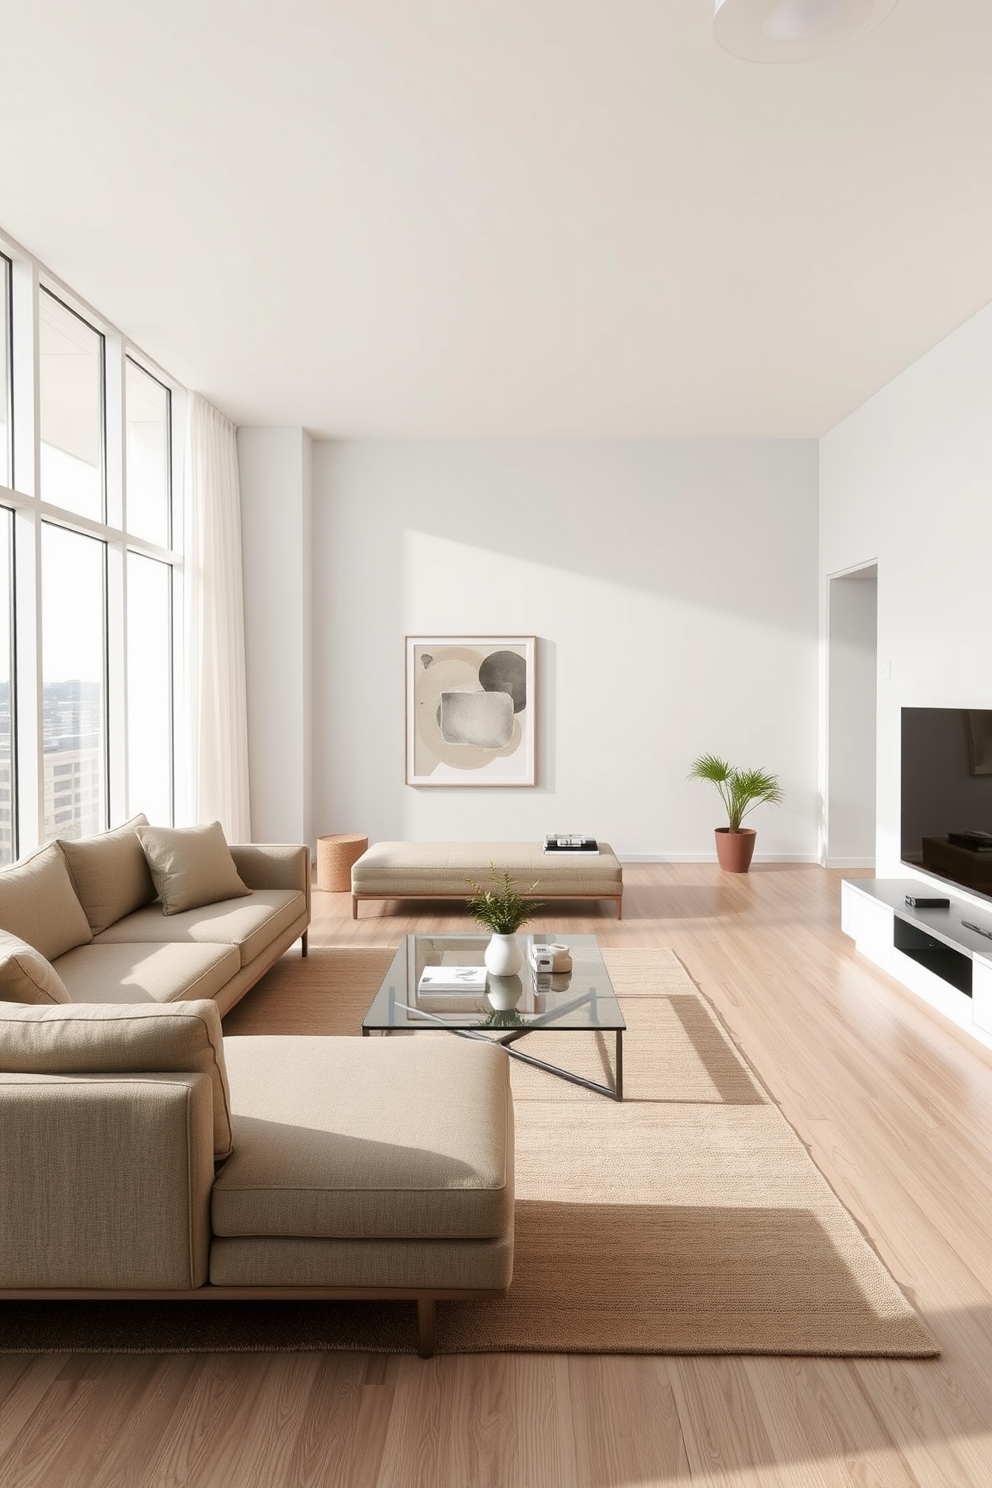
{"x": 443, "y": 870}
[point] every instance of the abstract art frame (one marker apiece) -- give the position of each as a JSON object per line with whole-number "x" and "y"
{"x": 471, "y": 704}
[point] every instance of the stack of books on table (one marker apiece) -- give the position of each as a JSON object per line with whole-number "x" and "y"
{"x": 468, "y": 980}
{"x": 570, "y": 842}
{"x": 451, "y": 991}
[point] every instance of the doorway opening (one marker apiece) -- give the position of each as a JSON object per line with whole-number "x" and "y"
{"x": 852, "y": 695}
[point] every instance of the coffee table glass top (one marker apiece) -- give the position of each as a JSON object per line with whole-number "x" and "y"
{"x": 580, "y": 999}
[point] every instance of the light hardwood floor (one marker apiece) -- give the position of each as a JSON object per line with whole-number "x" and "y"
{"x": 896, "y": 1107}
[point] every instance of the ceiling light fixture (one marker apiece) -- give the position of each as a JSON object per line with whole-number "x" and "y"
{"x": 794, "y": 30}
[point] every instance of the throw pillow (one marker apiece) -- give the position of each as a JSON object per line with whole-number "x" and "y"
{"x": 110, "y": 874}
{"x": 191, "y": 866}
{"x": 104, "y": 1039}
{"x": 38, "y": 904}
{"x": 25, "y": 975}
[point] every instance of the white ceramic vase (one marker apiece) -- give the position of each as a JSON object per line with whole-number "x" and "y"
{"x": 504, "y": 956}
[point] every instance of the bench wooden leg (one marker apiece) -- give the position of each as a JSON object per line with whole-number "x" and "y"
{"x": 426, "y": 1317}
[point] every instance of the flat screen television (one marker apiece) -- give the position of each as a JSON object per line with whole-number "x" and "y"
{"x": 946, "y": 816}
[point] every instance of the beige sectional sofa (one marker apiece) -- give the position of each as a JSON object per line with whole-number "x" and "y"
{"x": 144, "y": 1155}
{"x": 106, "y": 920}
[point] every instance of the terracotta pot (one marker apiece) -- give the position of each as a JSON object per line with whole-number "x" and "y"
{"x": 734, "y": 850}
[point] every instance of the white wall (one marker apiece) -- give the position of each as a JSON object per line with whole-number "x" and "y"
{"x": 673, "y": 590}
{"x": 908, "y": 479}
{"x": 276, "y": 528}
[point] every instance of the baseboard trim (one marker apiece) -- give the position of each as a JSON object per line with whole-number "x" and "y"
{"x": 711, "y": 858}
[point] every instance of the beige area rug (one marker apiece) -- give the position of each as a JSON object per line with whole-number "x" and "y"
{"x": 687, "y": 1219}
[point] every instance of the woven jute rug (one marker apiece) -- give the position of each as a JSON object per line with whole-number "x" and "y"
{"x": 687, "y": 1219}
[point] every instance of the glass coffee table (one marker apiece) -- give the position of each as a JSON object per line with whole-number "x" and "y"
{"x": 580, "y": 1001}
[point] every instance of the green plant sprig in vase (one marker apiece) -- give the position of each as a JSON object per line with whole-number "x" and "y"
{"x": 502, "y": 911}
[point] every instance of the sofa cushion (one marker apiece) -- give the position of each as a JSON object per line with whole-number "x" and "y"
{"x": 38, "y": 904}
{"x": 147, "y": 973}
{"x": 191, "y": 866}
{"x": 367, "y": 1139}
{"x": 250, "y": 924}
{"x": 109, "y": 873}
{"x": 25, "y": 975}
{"x": 89, "y": 1038}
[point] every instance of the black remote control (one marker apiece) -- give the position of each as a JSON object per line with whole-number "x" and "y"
{"x": 928, "y": 901}
{"x": 970, "y": 925}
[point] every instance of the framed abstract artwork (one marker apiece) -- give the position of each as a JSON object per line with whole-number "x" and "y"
{"x": 470, "y": 708}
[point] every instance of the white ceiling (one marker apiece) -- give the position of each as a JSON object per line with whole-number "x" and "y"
{"x": 503, "y": 217}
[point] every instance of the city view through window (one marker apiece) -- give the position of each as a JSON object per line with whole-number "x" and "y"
{"x": 88, "y": 574}
{"x": 7, "y": 782}
{"x": 74, "y": 690}
{"x": 71, "y": 367}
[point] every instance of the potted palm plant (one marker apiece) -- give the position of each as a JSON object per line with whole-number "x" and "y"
{"x": 741, "y": 791}
{"x": 502, "y": 910}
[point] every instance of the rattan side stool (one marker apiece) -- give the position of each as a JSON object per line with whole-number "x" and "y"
{"x": 335, "y": 856}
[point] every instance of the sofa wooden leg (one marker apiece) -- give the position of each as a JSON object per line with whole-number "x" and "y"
{"x": 354, "y": 906}
{"x": 426, "y": 1312}
{"x": 304, "y": 943}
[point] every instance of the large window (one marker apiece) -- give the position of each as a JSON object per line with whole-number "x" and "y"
{"x": 8, "y": 782}
{"x": 90, "y": 569}
{"x": 149, "y": 686}
{"x": 74, "y": 650}
{"x": 5, "y": 408}
{"x": 149, "y": 439}
{"x": 71, "y": 378}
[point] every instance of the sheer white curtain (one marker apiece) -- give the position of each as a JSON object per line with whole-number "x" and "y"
{"x": 217, "y": 711}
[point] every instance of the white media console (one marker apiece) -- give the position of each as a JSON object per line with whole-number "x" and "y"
{"x": 929, "y": 951}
